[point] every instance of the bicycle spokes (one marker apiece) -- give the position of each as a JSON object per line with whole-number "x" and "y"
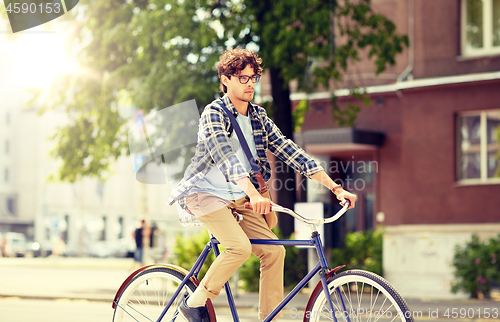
{"x": 145, "y": 298}
{"x": 359, "y": 296}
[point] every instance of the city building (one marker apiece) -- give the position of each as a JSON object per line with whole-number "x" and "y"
{"x": 12, "y": 218}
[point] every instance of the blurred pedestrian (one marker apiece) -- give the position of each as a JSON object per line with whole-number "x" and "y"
{"x": 59, "y": 248}
{"x": 139, "y": 235}
{"x": 3, "y": 246}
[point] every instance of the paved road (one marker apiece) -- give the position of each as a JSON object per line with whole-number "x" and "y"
{"x": 73, "y": 283}
{"x": 60, "y": 280}
{"x": 82, "y": 290}
{"x": 18, "y": 310}
{"x": 21, "y": 310}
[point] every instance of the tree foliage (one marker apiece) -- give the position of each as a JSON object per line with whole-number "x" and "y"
{"x": 148, "y": 54}
{"x": 314, "y": 41}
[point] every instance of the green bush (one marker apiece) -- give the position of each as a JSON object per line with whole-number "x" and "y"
{"x": 295, "y": 268}
{"x": 362, "y": 250}
{"x": 250, "y": 273}
{"x": 476, "y": 266}
{"x": 188, "y": 249}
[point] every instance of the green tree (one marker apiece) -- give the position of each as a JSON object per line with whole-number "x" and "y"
{"x": 155, "y": 53}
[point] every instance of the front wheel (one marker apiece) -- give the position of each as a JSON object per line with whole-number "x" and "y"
{"x": 147, "y": 294}
{"x": 359, "y": 296}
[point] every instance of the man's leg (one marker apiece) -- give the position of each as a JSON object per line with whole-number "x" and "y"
{"x": 272, "y": 259}
{"x": 228, "y": 232}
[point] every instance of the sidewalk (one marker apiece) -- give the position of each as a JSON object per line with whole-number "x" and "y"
{"x": 98, "y": 280}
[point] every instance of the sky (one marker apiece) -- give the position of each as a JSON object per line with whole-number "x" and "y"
{"x": 32, "y": 58}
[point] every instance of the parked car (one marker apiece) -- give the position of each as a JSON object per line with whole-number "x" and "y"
{"x": 102, "y": 249}
{"x": 15, "y": 244}
{"x": 39, "y": 249}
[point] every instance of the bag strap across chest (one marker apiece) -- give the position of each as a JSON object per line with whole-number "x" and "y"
{"x": 245, "y": 147}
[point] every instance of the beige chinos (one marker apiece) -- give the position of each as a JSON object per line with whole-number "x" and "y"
{"x": 217, "y": 217}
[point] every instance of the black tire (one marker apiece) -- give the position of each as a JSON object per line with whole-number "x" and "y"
{"x": 146, "y": 295}
{"x": 384, "y": 304}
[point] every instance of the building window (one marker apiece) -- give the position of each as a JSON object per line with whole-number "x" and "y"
{"x": 7, "y": 147}
{"x": 10, "y": 206}
{"x": 480, "y": 27}
{"x": 479, "y": 146}
{"x": 120, "y": 224}
{"x": 103, "y": 231}
{"x": 6, "y": 175}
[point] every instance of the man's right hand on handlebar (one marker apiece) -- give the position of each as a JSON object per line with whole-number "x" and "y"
{"x": 260, "y": 204}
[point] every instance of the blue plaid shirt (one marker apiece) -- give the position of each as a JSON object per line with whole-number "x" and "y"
{"x": 216, "y": 149}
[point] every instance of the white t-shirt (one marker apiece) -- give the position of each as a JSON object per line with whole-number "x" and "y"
{"x": 214, "y": 181}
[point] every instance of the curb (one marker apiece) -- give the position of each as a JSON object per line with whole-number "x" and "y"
{"x": 69, "y": 262}
{"x": 216, "y": 304}
{"x": 52, "y": 298}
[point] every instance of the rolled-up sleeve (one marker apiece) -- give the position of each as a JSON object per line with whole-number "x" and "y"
{"x": 289, "y": 152}
{"x": 219, "y": 145}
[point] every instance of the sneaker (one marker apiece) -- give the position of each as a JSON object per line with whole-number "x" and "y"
{"x": 192, "y": 314}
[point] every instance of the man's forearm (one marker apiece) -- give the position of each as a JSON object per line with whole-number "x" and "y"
{"x": 324, "y": 179}
{"x": 259, "y": 203}
{"x": 246, "y": 185}
{"x": 341, "y": 194}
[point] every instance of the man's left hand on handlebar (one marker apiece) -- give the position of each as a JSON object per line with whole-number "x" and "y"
{"x": 343, "y": 196}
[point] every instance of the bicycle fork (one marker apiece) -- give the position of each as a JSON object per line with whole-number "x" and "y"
{"x": 323, "y": 272}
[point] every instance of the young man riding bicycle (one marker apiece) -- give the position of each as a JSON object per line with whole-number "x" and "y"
{"x": 220, "y": 179}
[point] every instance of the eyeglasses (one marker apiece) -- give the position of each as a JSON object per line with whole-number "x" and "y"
{"x": 244, "y": 79}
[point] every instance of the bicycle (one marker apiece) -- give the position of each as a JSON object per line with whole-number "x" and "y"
{"x": 152, "y": 293}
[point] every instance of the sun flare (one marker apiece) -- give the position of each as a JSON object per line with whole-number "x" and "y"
{"x": 39, "y": 58}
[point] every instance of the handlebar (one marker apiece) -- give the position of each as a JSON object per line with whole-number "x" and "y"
{"x": 308, "y": 220}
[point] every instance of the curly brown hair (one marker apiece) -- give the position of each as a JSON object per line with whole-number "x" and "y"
{"x": 234, "y": 61}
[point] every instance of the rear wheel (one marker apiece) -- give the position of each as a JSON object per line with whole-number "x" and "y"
{"x": 359, "y": 296}
{"x": 145, "y": 296}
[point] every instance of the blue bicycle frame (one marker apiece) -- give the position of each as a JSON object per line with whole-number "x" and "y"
{"x": 321, "y": 267}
